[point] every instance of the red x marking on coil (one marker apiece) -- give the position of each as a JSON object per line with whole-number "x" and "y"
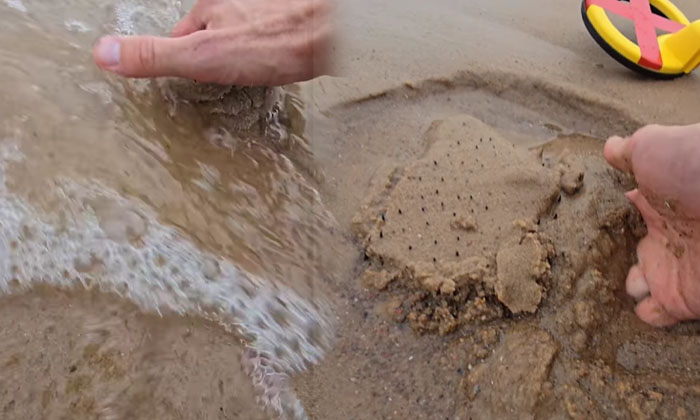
{"x": 645, "y": 25}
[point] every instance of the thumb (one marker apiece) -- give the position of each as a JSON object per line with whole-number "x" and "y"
{"x": 618, "y": 152}
{"x": 145, "y": 56}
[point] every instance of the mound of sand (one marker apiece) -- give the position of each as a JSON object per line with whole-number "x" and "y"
{"x": 456, "y": 231}
{"x": 479, "y": 230}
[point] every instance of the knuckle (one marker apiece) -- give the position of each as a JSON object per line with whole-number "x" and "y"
{"x": 146, "y": 54}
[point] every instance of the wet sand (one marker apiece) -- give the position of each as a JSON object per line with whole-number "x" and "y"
{"x": 406, "y": 346}
{"x": 532, "y": 73}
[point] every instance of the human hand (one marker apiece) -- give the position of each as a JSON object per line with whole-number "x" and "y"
{"x": 230, "y": 42}
{"x": 666, "y": 163}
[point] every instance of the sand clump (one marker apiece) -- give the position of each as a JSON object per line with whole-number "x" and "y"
{"x": 524, "y": 357}
{"x": 455, "y": 233}
{"x": 243, "y": 109}
{"x": 521, "y": 262}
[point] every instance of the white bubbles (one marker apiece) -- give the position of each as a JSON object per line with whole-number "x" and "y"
{"x": 141, "y": 17}
{"x": 119, "y": 246}
{"x": 17, "y": 5}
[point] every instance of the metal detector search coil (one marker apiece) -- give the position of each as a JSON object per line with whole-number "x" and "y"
{"x": 674, "y": 53}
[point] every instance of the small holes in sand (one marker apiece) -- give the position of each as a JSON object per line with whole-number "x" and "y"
{"x": 381, "y": 235}
{"x": 400, "y": 212}
{"x": 434, "y": 259}
{"x": 456, "y": 253}
{"x": 410, "y": 247}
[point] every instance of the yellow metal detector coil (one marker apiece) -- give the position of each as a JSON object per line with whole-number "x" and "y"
{"x": 672, "y": 54}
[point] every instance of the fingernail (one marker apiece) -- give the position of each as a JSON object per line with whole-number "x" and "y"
{"x": 109, "y": 51}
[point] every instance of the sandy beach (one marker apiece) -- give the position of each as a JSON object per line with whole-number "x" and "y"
{"x": 435, "y": 235}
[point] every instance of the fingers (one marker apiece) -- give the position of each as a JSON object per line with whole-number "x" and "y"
{"x": 650, "y": 215}
{"x": 618, "y": 152}
{"x": 234, "y": 53}
{"x": 652, "y": 312}
{"x": 187, "y": 25}
{"x": 145, "y": 56}
{"x": 194, "y": 21}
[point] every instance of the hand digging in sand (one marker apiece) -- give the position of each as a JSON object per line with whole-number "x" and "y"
{"x": 230, "y": 42}
{"x": 666, "y": 163}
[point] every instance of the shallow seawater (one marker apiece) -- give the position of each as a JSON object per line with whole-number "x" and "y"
{"x": 179, "y": 203}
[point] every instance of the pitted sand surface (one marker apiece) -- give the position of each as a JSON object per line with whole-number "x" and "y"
{"x": 456, "y": 231}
